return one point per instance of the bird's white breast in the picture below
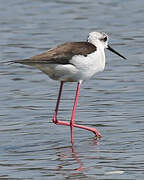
(90, 65)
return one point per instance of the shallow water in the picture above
(31, 146)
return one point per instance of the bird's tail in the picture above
(23, 61)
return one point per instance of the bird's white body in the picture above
(74, 61)
(81, 67)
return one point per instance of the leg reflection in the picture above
(75, 156)
(70, 160)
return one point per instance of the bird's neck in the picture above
(96, 43)
(100, 48)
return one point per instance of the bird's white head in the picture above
(99, 39)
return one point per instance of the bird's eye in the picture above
(105, 39)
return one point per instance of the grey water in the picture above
(31, 146)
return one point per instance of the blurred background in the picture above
(31, 146)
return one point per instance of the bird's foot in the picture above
(97, 134)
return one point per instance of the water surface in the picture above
(31, 146)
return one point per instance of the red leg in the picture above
(72, 124)
(73, 112)
(57, 104)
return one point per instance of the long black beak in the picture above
(112, 50)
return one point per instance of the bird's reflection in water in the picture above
(70, 160)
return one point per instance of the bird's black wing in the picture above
(62, 54)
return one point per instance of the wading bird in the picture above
(73, 62)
